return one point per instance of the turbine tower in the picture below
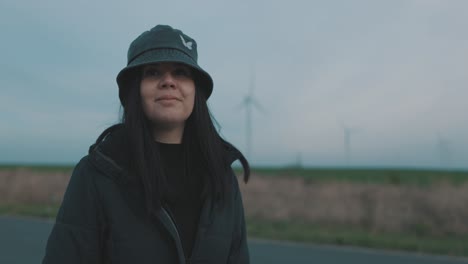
(298, 160)
(249, 102)
(347, 132)
(443, 150)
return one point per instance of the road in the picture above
(23, 241)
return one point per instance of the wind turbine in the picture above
(443, 150)
(299, 160)
(249, 103)
(347, 132)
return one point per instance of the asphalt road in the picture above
(23, 241)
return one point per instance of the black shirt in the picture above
(183, 196)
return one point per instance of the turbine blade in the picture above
(258, 106)
(242, 104)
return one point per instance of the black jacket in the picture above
(103, 219)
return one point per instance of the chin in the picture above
(168, 121)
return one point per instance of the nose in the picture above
(167, 80)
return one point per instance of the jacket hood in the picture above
(110, 152)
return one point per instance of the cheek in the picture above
(191, 100)
(146, 95)
(145, 91)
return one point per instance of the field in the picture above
(413, 210)
(367, 175)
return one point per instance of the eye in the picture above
(183, 71)
(151, 72)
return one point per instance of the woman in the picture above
(157, 188)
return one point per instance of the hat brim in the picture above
(203, 79)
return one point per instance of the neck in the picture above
(169, 135)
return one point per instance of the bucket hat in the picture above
(162, 43)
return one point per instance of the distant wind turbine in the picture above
(299, 160)
(249, 102)
(443, 150)
(347, 132)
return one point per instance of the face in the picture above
(167, 93)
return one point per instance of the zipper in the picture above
(178, 241)
(200, 229)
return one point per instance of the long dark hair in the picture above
(202, 144)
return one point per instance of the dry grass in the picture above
(23, 186)
(435, 210)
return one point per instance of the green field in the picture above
(362, 175)
(341, 235)
(38, 168)
(41, 211)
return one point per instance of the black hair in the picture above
(202, 144)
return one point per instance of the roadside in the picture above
(415, 218)
(29, 235)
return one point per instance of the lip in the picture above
(167, 98)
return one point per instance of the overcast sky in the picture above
(392, 73)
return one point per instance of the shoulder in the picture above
(87, 178)
(81, 196)
(83, 165)
(83, 169)
(83, 175)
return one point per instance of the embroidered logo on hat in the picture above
(188, 45)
